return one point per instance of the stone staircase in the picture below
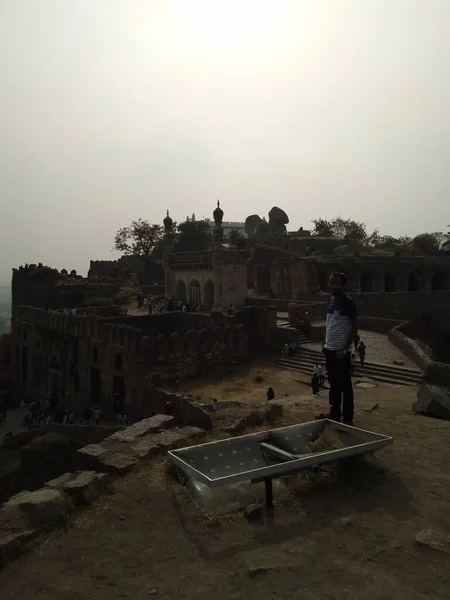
(305, 359)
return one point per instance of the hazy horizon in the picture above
(113, 111)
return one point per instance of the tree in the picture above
(429, 244)
(138, 239)
(387, 242)
(323, 228)
(341, 228)
(192, 235)
(236, 239)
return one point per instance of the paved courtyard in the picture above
(379, 349)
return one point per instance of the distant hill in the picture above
(5, 308)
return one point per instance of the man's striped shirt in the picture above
(341, 313)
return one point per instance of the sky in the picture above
(113, 110)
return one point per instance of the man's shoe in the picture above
(348, 423)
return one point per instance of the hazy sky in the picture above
(111, 110)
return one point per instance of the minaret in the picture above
(218, 231)
(167, 249)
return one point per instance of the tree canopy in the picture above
(138, 239)
(192, 235)
(426, 244)
(236, 239)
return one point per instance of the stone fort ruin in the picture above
(114, 359)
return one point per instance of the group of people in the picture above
(318, 378)
(145, 304)
(289, 349)
(37, 416)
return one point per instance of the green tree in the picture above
(323, 228)
(192, 235)
(138, 239)
(236, 239)
(342, 228)
(387, 242)
(429, 244)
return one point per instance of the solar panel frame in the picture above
(372, 441)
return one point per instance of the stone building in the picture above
(79, 361)
(215, 279)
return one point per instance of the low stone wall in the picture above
(377, 325)
(435, 372)
(185, 411)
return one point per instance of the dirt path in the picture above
(341, 536)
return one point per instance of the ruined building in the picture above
(114, 360)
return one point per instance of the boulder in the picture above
(146, 448)
(58, 483)
(254, 513)
(433, 401)
(86, 486)
(251, 224)
(278, 214)
(29, 510)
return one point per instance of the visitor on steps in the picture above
(340, 331)
(362, 352)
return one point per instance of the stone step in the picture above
(306, 367)
(369, 370)
(319, 357)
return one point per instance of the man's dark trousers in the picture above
(341, 388)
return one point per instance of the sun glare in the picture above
(230, 23)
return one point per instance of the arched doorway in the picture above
(208, 293)
(391, 281)
(180, 290)
(369, 281)
(262, 279)
(195, 296)
(440, 280)
(54, 380)
(416, 281)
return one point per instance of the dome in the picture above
(218, 214)
(167, 222)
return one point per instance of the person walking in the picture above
(340, 331)
(362, 352)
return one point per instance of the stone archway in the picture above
(208, 293)
(416, 281)
(391, 281)
(180, 291)
(440, 280)
(369, 281)
(262, 279)
(195, 295)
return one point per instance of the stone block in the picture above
(58, 483)
(177, 437)
(433, 401)
(146, 448)
(436, 540)
(274, 411)
(12, 544)
(29, 510)
(86, 486)
(90, 457)
(118, 462)
(141, 428)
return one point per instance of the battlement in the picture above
(43, 272)
(85, 327)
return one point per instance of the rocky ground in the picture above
(364, 533)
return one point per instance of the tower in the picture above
(218, 231)
(168, 224)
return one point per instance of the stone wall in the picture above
(80, 361)
(368, 274)
(437, 373)
(45, 287)
(291, 277)
(147, 272)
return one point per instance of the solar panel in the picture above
(273, 453)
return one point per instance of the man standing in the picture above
(340, 332)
